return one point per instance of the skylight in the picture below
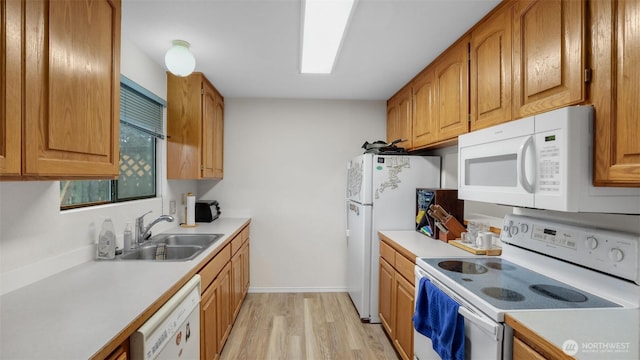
(324, 25)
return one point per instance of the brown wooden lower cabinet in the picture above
(396, 298)
(208, 324)
(528, 345)
(222, 297)
(522, 351)
(225, 315)
(239, 271)
(121, 353)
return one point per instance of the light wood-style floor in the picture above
(304, 326)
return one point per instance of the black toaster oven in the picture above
(207, 210)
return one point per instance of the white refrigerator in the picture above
(381, 191)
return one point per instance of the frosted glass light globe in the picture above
(179, 60)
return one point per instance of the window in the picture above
(141, 125)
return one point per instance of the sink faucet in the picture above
(144, 233)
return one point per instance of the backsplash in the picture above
(38, 240)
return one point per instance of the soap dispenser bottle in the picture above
(107, 241)
(129, 244)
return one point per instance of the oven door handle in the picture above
(466, 310)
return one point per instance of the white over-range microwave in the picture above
(543, 161)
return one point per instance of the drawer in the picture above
(405, 267)
(245, 234)
(213, 267)
(387, 252)
(236, 243)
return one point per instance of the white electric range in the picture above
(544, 265)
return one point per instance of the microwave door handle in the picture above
(522, 174)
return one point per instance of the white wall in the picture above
(285, 166)
(38, 240)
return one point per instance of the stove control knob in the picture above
(591, 242)
(513, 231)
(524, 228)
(616, 255)
(506, 227)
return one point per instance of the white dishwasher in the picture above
(173, 332)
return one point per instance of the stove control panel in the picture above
(611, 252)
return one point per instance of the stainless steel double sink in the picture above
(171, 247)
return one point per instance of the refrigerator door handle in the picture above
(355, 209)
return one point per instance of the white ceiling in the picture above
(251, 48)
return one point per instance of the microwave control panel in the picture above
(549, 155)
(612, 252)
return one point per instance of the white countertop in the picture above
(424, 246)
(596, 334)
(73, 314)
(591, 329)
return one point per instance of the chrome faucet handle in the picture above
(143, 215)
(140, 227)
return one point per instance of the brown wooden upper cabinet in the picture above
(548, 55)
(452, 92)
(440, 98)
(425, 110)
(530, 56)
(399, 117)
(615, 42)
(62, 122)
(195, 128)
(10, 96)
(490, 68)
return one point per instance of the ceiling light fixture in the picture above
(179, 60)
(324, 25)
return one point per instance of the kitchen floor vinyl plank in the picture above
(304, 326)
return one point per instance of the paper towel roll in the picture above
(191, 209)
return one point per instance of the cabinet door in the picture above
(548, 55)
(218, 138)
(615, 92)
(224, 318)
(452, 78)
(236, 283)
(10, 97)
(184, 128)
(403, 339)
(120, 353)
(385, 296)
(245, 268)
(208, 130)
(72, 88)
(522, 351)
(209, 323)
(425, 111)
(399, 118)
(491, 70)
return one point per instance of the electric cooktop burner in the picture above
(500, 266)
(463, 267)
(508, 286)
(558, 293)
(503, 294)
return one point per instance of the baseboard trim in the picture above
(295, 289)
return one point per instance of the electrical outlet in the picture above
(172, 207)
